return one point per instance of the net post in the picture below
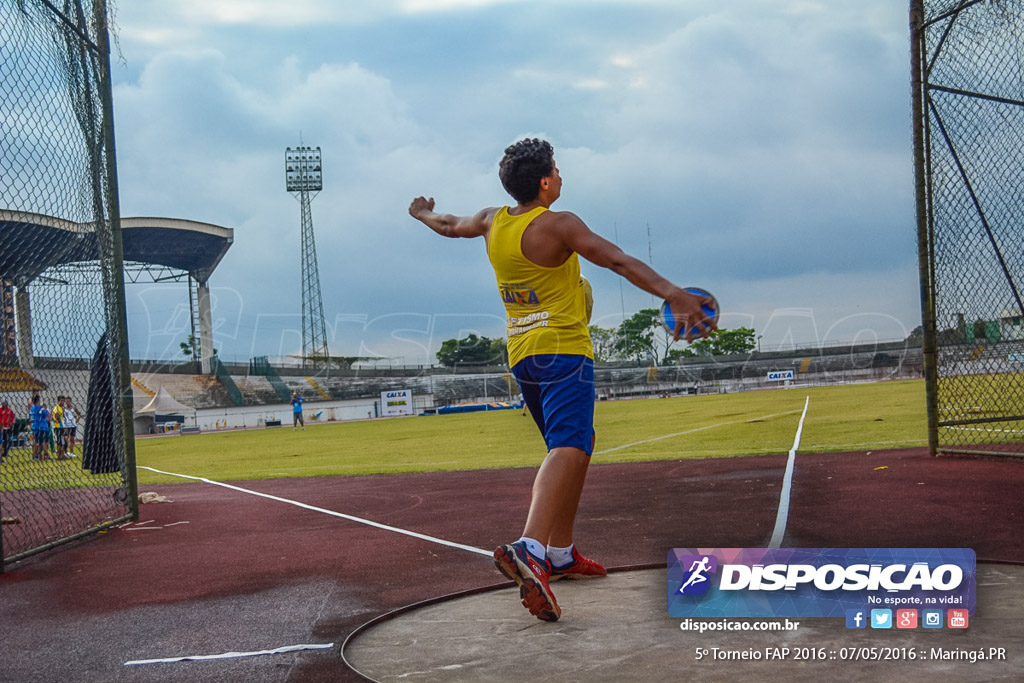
(2, 563)
(925, 270)
(118, 322)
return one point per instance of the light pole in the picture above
(303, 176)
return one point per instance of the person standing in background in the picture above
(40, 419)
(6, 428)
(70, 425)
(297, 411)
(57, 431)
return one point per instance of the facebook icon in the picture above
(856, 618)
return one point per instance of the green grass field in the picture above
(840, 418)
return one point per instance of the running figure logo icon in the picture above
(695, 581)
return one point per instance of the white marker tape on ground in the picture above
(787, 484)
(423, 537)
(232, 655)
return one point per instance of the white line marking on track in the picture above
(985, 430)
(351, 518)
(691, 431)
(232, 655)
(782, 517)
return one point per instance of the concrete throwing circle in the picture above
(617, 629)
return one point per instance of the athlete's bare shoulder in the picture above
(487, 215)
(561, 222)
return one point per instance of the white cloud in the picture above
(417, 6)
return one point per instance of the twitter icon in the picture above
(881, 618)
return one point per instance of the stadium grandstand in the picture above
(154, 249)
(355, 393)
(157, 249)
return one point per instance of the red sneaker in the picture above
(580, 568)
(531, 574)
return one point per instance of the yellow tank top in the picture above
(545, 308)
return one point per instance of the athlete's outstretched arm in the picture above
(422, 209)
(686, 307)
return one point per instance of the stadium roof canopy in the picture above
(31, 243)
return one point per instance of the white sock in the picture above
(560, 557)
(535, 547)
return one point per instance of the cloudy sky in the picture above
(758, 149)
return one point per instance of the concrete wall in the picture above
(233, 417)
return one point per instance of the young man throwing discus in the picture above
(535, 255)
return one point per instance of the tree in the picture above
(635, 336)
(472, 350)
(188, 344)
(721, 342)
(603, 340)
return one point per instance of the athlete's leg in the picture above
(556, 496)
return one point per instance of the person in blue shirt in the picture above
(297, 412)
(40, 418)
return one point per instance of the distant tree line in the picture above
(643, 338)
(640, 337)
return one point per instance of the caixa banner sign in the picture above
(816, 582)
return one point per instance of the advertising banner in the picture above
(396, 403)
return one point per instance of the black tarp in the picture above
(102, 447)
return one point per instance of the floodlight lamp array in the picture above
(303, 169)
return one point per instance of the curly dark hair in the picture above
(522, 167)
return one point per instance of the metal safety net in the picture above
(67, 467)
(970, 154)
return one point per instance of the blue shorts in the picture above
(559, 391)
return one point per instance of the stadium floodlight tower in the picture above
(303, 178)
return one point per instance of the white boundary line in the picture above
(985, 430)
(787, 484)
(690, 431)
(360, 520)
(232, 655)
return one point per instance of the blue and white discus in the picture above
(669, 321)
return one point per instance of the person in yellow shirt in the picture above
(57, 419)
(535, 256)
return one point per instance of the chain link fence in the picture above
(67, 457)
(968, 94)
